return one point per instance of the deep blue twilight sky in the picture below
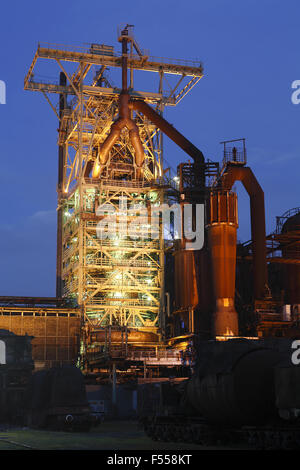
(251, 55)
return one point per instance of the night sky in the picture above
(251, 55)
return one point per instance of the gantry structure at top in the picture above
(109, 149)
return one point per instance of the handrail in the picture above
(283, 218)
(124, 302)
(120, 262)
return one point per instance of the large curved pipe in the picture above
(110, 140)
(123, 121)
(258, 224)
(169, 130)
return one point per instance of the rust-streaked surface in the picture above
(222, 242)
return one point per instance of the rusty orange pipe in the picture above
(258, 224)
(169, 130)
(123, 121)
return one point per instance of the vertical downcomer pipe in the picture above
(258, 224)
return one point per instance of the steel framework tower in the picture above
(110, 152)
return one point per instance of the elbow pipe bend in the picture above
(124, 120)
(258, 224)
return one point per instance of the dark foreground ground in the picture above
(110, 435)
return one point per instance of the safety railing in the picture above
(90, 49)
(120, 262)
(120, 243)
(123, 302)
(280, 221)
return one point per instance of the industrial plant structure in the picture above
(133, 305)
(109, 150)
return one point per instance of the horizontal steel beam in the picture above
(114, 61)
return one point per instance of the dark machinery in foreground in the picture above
(50, 398)
(241, 390)
(56, 399)
(16, 367)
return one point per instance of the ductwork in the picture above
(258, 224)
(171, 132)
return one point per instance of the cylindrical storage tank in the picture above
(222, 227)
(186, 291)
(193, 287)
(237, 388)
(192, 279)
(292, 250)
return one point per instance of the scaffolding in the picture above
(119, 281)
